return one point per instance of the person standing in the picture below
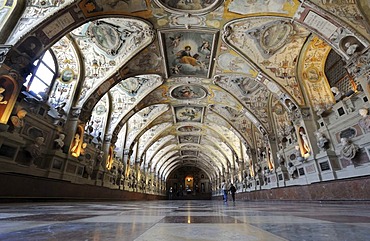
(170, 193)
(232, 191)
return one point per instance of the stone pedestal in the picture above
(311, 171)
(55, 163)
(327, 165)
(253, 185)
(301, 178)
(272, 180)
(10, 144)
(3, 127)
(97, 175)
(282, 176)
(72, 170)
(353, 171)
(107, 179)
(258, 184)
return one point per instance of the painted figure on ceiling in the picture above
(185, 57)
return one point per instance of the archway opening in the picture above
(189, 184)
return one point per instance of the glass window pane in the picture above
(37, 86)
(45, 74)
(48, 60)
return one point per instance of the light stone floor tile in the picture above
(97, 213)
(206, 232)
(122, 219)
(12, 215)
(6, 227)
(196, 214)
(278, 219)
(184, 220)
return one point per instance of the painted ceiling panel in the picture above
(68, 76)
(261, 6)
(151, 149)
(34, 13)
(106, 45)
(274, 47)
(219, 124)
(178, 93)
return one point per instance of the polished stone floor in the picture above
(184, 220)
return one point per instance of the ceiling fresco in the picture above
(188, 53)
(170, 83)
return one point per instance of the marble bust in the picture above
(338, 95)
(59, 142)
(349, 150)
(292, 169)
(364, 122)
(17, 120)
(322, 141)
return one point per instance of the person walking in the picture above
(232, 191)
(224, 190)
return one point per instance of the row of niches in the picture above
(86, 167)
(32, 141)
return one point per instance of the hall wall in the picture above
(30, 188)
(354, 189)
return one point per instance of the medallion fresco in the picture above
(188, 52)
(69, 69)
(233, 63)
(271, 37)
(313, 74)
(105, 36)
(189, 153)
(177, 21)
(281, 66)
(132, 85)
(187, 92)
(188, 6)
(189, 139)
(188, 113)
(189, 129)
(260, 6)
(125, 37)
(93, 7)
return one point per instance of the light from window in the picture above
(43, 75)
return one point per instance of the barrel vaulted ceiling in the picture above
(250, 64)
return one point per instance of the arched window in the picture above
(337, 74)
(43, 75)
